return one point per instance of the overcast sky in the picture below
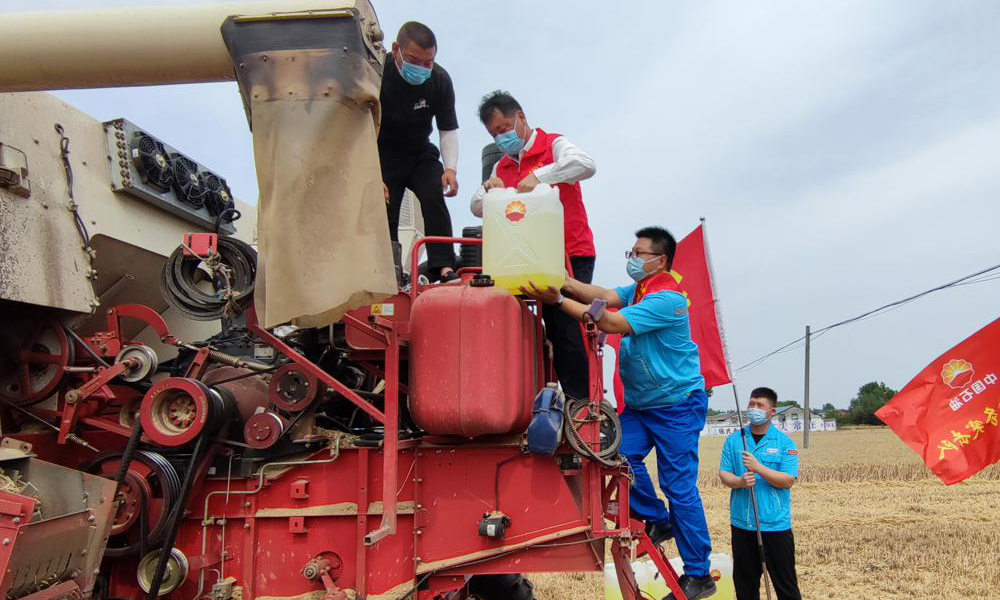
(845, 154)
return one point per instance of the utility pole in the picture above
(805, 398)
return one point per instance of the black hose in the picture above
(228, 215)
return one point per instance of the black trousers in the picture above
(423, 176)
(568, 353)
(779, 550)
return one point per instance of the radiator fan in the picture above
(187, 184)
(218, 197)
(151, 161)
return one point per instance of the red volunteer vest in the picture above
(579, 239)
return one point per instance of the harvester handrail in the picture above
(415, 256)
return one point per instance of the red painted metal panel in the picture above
(459, 486)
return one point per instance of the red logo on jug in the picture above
(515, 211)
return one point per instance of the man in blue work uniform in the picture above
(665, 401)
(770, 467)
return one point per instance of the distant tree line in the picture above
(871, 397)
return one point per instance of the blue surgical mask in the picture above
(635, 267)
(508, 142)
(757, 416)
(414, 74)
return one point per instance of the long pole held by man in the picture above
(753, 499)
(761, 523)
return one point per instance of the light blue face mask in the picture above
(508, 142)
(413, 74)
(635, 267)
(757, 416)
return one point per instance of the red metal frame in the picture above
(109, 343)
(311, 368)
(73, 399)
(389, 419)
(415, 286)
(317, 513)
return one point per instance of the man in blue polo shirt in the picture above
(665, 401)
(770, 467)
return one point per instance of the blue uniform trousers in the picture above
(674, 431)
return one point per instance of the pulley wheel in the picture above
(151, 485)
(292, 388)
(143, 358)
(31, 367)
(177, 410)
(264, 429)
(174, 575)
(579, 415)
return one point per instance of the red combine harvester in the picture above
(383, 457)
(412, 446)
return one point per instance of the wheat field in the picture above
(870, 522)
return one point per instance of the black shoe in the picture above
(695, 588)
(659, 532)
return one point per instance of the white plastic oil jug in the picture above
(653, 585)
(523, 237)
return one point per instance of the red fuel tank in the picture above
(475, 361)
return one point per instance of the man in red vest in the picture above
(532, 156)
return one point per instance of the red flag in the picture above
(949, 413)
(692, 270)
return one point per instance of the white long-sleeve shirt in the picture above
(449, 148)
(570, 164)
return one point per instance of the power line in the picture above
(786, 347)
(980, 280)
(967, 280)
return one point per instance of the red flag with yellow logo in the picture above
(692, 271)
(949, 413)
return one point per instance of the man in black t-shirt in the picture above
(416, 90)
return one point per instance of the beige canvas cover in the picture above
(323, 234)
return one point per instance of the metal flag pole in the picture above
(753, 500)
(739, 412)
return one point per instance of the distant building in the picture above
(721, 424)
(789, 419)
